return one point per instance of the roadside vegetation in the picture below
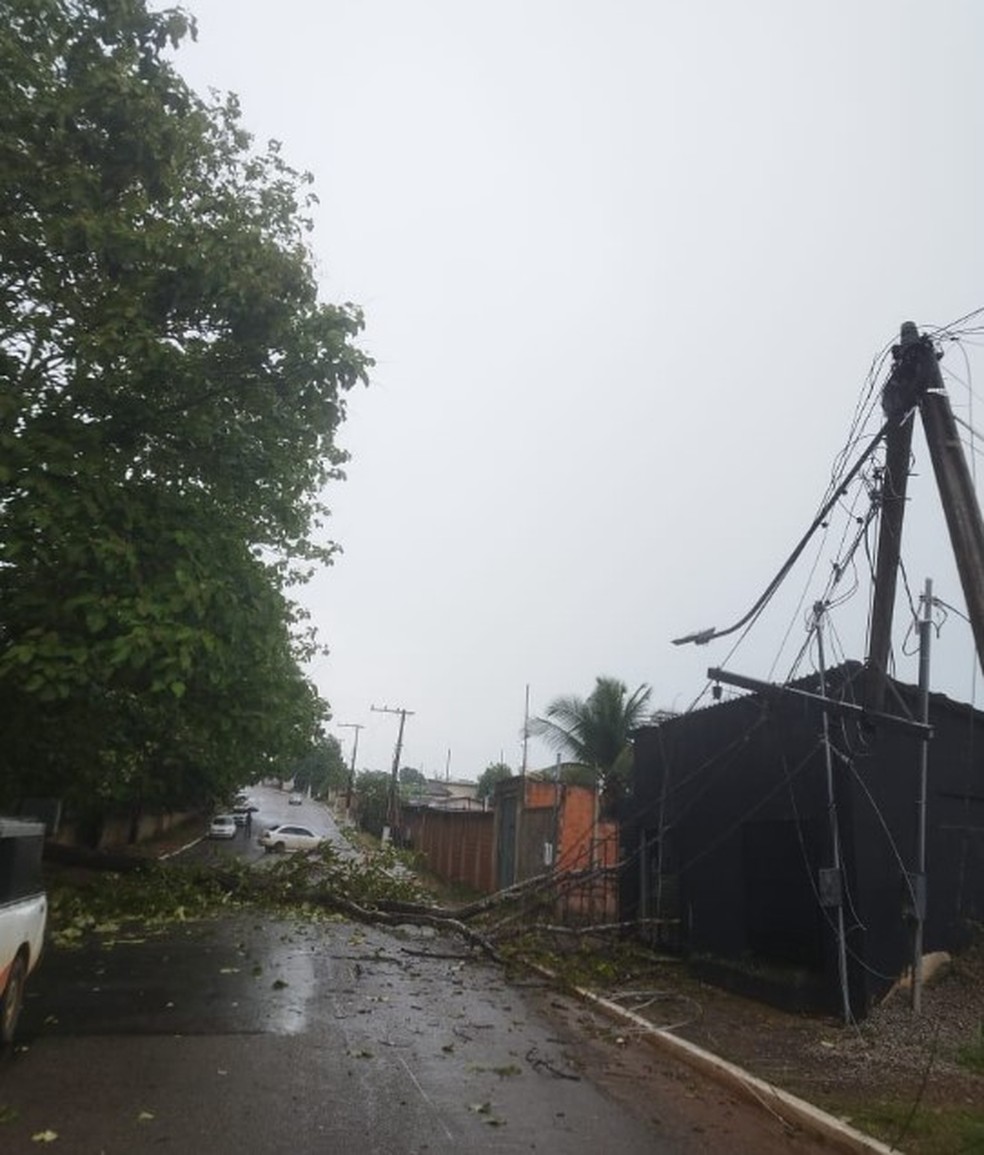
(171, 389)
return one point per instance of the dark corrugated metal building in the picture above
(727, 842)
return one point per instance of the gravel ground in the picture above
(893, 1057)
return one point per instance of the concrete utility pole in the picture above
(916, 380)
(393, 806)
(918, 879)
(898, 402)
(957, 493)
(832, 881)
(356, 726)
(526, 732)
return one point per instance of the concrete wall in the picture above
(115, 831)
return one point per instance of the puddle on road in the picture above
(286, 1012)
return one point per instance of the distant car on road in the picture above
(288, 837)
(295, 800)
(222, 826)
(23, 915)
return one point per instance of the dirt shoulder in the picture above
(915, 1082)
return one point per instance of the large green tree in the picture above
(372, 800)
(494, 773)
(170, 392)
(596, 732)
(322, 768)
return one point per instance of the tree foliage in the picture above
(411, 780)
(494, 773)
(170, 392)
(596, 731)
(322, 768)
(372, 799)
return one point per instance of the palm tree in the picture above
(596, 731)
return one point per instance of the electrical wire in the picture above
(957, 332)
(753, 614)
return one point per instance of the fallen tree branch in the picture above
(581, 931)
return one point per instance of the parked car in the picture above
(23, 916)
(295, 800)
(287, 837)
(222, 826)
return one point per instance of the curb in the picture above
(181, 849)
(787, 1107)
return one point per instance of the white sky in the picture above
(625, 267)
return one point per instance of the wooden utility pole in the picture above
(393, 805)
(356, 726)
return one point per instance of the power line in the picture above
(701, 637)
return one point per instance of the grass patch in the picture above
(971, 1056)
(929, 1130)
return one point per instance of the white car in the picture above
(289, 837)
(23, 915)
(295, 800)
(222, 826)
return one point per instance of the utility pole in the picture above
(356, 726)
(526, 732)
(918, 879)
(916, 380)
(898, 401)
(832, 880)
(393, 807)
(957, 493)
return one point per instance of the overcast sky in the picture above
(625, 267)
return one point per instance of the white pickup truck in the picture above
(23, 915)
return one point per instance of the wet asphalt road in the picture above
(247, 1034)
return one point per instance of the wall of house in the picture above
(456, 844)
(553, 824)
(565, 817)
(728, 798)
(882, 813)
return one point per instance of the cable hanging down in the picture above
(702, 637)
